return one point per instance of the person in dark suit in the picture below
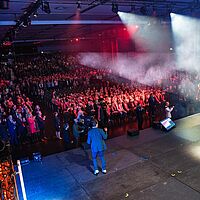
(66, 132)
(57, 125)
(67, 116)
(41, 125)
(139, 115)
(96, 137)
(11, 124)
(152, 107)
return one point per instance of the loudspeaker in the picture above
(37, 157)
(133, 132)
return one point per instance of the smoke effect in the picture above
(149, 68)
(187, 88)
(186, 32)
(148, 32)
(146, 68)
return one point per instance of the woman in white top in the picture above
(168, 110)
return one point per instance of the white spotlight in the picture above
(172, 15)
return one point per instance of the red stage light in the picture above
(7, 43)
(77, 39)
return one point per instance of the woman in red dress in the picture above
(32, 127)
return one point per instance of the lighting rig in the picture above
(25, 19)
(4, 4)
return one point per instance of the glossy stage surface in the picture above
(155, 165)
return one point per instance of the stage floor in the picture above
(139, 168)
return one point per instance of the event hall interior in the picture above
(110, 81)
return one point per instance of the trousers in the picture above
(101, 156)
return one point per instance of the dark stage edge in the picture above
(139, 168)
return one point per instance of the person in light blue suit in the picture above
(96, 137)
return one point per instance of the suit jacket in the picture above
(57, 122)
(40, 122)
(96, 137)
(152, 101)
(139, 113)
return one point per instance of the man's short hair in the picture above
(94, 123)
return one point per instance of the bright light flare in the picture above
(172, 15)
(146, 31)
(186, 31)
(194, 151)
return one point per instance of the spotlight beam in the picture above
(89, 8)
(186, 36)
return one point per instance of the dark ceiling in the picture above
(93, 16)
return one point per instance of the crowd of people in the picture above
(20, 121)
(76, 95)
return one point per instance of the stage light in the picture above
(46, 7)
(132, 8)
(115, 8)
(171, 49)
(26, 22)
(172, 15)
(143, 10)
(185, 37)
(154, 13)
(78, 5)
(4, 4)
(35, 14)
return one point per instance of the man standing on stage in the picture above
(168, 110)
(152, 107)
(139, 115)
(96, 137)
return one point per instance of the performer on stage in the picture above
(139, 115)
(153, 101)
(168, 110)
(96, 137)
(57, 125)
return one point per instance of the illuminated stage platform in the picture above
(153, 166)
